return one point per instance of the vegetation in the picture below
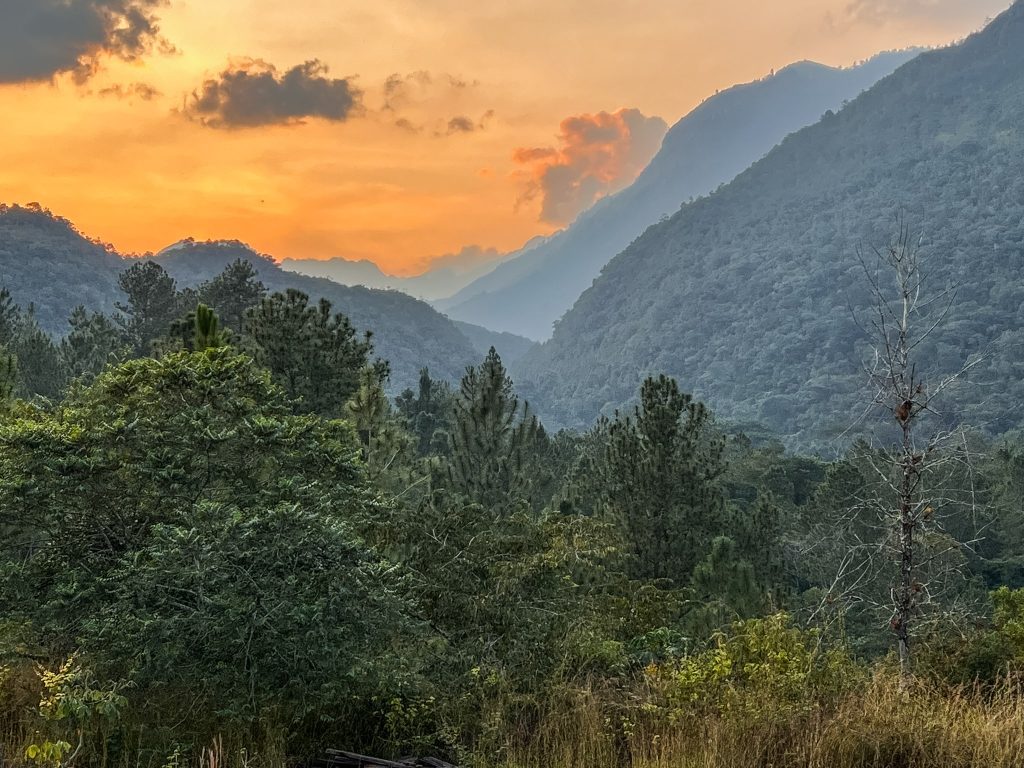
(50, 267)
(224, 544)
(744, 296)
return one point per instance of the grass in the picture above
(927, 725)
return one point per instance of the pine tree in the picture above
(386, 446)
(40, 368)
(153, 304)
(92, 342)
(316, 356)
(9, 314)
(492, 441)
(232, 292)
(663, 467)
(8, 377)
(428, 413)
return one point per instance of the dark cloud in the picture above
(464, 124)
(252, 93)
(598, 155)
(142, 91)
(40, 39)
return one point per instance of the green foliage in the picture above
(41, 371)
(428, 413)
(744, 296)
(663, 467)
(231, 293)
(153, 303)
(314, 355)
(766, 668)
(492, 441)
(230, 559)
(93, 342)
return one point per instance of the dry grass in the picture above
(926, 726)
(879, 727)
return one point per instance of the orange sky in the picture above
(141, 174)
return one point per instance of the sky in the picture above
(398, 131)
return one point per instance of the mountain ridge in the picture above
(743, 295)
(713, 143)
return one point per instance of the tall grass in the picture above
(926, 725)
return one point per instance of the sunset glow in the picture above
(419, 129)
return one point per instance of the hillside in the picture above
(508, 345)
(705, 149)
(407, 332)
(47, 263)
(745, 295)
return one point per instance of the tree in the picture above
(428, 413)
(662, 470)
(40, 368)
(188, 497)
(153, 303)
(314, 355)
(232, 292)
(921, 470)
(386, 445)
(92, 342)
(8, 377)
(492, 441)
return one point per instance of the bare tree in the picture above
(921, 469)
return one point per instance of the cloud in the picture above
(879, 12)
(40, 39)
(464, 124)
(251, 93)
(469, 259)
(142, 91)
(598, 155)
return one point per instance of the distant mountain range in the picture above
(442, 277)
(47, 264)
(746, 296)
(528, 292)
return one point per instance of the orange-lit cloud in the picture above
(598, 155)
(40, 39)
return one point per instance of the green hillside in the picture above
(46, 263)
(746, 295)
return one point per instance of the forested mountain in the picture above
(510, 346)
(45, 262)
(406, 332)
(705, 149)
(746, 295)
(48, 264)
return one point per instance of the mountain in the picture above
(708, 147)
(508, 345)
(46, 263)
(444, 276)
(746, 296)
(408, 332)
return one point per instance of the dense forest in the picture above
(529, 291)
(224, 544)
(758, 503)
(751, 297)
(52, 268)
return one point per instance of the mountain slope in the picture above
(705, 149)
(47, 263)
(408, 333)
(508, 345)
(745, 295)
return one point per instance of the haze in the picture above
(396, 131)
